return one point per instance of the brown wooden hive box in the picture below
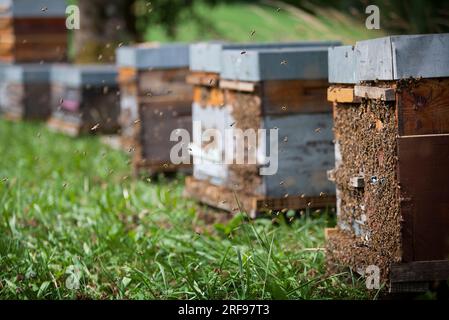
(30, 34)
(155, 101)
(25, 92)
(293, 103)
(85, 99)
(392, 148)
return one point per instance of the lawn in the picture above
(75, 225)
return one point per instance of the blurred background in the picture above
(106, 24)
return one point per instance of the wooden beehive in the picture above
(33, 31)
(155, 101)
(84, 99)
(263, 88)
(25, 92)
(392, 154)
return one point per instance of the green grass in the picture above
(245, 22)
(68, 206)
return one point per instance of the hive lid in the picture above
(342, 65)
(276, 64)
(26, 73)
(154, 55)
(207, 56)
(32, 8)
(400, 57)
(84, 75)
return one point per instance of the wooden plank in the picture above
(294, 96)
(424, 108)
(127, 75)
(225, 199)
(294, 202)
(144, 167)
(212, 97)
(423, 174)
(166, 106)
(420, 271)
(48, 39)
(164, 83)
(35, 52)
(70, 129)
(6, 22)
(238, 85)
(409, 287)
(203, 79)
(375, 93)
(217, 197)
(342, 95)
(36, 25)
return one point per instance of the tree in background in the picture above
(107, 23)
(104, 24)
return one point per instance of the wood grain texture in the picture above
(203, 79)
(295, 96)
(423, 177)
(424, 108)
(127, 75)
(228, 200)
(164, 82)
(340, 94)
(207, 96)
(33, 39)
(239, 85)
(375, 93)
(420, 271)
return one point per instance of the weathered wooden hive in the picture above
(155, 101)
(264, 88)
(392, 138)
(25, 92)
(85, 99)
(33, 31)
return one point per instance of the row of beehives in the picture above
(74, 99)
(390, 119)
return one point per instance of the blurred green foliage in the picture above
(401, 16)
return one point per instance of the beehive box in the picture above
(25, 92)
(85, 99)
(155, 101)
(279, 89)
(391, 168)
(33, 31)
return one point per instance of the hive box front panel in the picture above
(26, 92)
(33, 31)
(85, 99)
(155, 103)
